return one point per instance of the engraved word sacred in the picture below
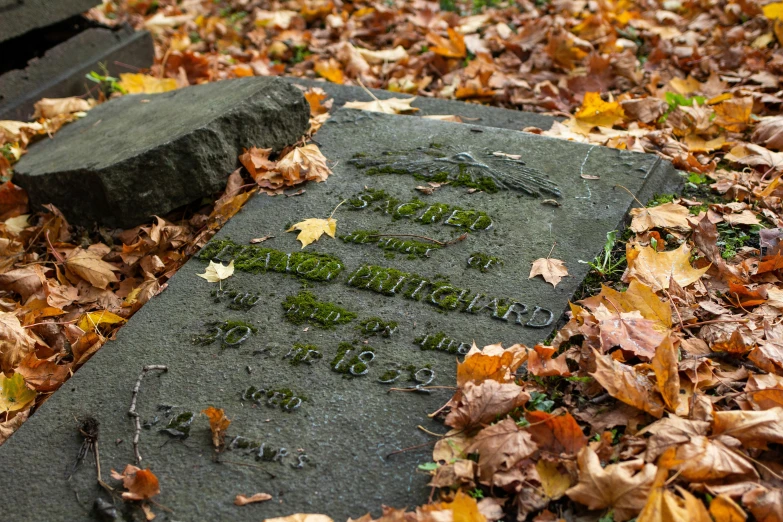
(444, 295)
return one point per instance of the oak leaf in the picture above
(242, 500)
(216, 272)
(15, 342)
(90, 266)
(665, 366)
(304, 163)
(387, 106)
(623, 383)
(480, 404)
(218, 424)
(142, 484)
(668, 215)
(500, 447)
(556, 433)
(656, 269)
(451, 47)
(623, 487)
(753, 428)
(14, 394)
(552, 270)
(595, 111)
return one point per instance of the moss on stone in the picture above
(483, 262)
(414, 249)
(304, 353)
(305, 307)
(377, 326)
(355, 365)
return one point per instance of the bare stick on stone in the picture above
(132, 410)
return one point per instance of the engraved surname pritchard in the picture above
(487, 171)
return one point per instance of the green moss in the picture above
(179, 426)
(483, 262)
(732, 239)
(414, 249)
(284, 398)
(377, 326)
(698, 209)
(230, 333)
(366, 198)
(312, 266)
(660, 199)
(304, 307)
(304, 353)
(352, 360)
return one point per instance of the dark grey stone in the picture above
(472, 113)
(347, 426)
(61, 71)
(20, 16)
(141, 155)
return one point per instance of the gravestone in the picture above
(151, 153)
(20, 16)
(303, 347)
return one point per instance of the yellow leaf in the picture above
(697, 144)
(552, 270)
(451, 47)
(668, 215)
(216, 272)
(464, 508)
(14, 395)
(89, 266)
(734, 115)
(388, 106)
(773, 11)
(656, 269)
(595, 111)
(301, 517)
(330, 70)
(640, 297)
(723, 509)
(553, 482)
(137, 83)
(312, 229)
(90, 321)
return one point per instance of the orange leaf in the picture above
(330, 70)
(541, 364)
(734, 115)
(141, 484)
(218, 423)
(453, 47)
(595, 111)
(556, 433)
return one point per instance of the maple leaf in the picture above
(595, 111)
(638, 297)
(668, 215)
(766, 505)
(257, 163)
(51, 107)
(43, 375)
(552, 270)
(451, 47)
(90, 266)
(137, 83)
(14, 394)
(463, 508)
(769, 133)
(656, 269)
(304, 163)
(8, 427)
(541, 364)
(312, 229)
(15, 343)
(664, 506)
(216, 272)
(554, 483)
(331, 70)
(218, 424)
(665, 366)
(556, 433)
(500, 447)
(242, 500)
(142, 484)
(734, 114)
(702, 459)
(631, 332)
(91, 321)
(481, 366)
(623, 487)
(753, 428)
(387, 106)
(480, 404)
(624, 384)
(315, 97)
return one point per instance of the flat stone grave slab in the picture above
(302, 347)
(19, 16)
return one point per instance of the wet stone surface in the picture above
(302, 347)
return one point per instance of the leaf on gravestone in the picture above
(218, 424)
(500, 447)
(388, 106)
(242, 500)
(14, 394)
(137, 83)
(301, 517)
(595, 111)
(88, 265)
(753, 428)
(552, 270)
(91, 321)
(257, 163)
(312, 229)
(554, 483)
(480, 404)
(631, 332)
(303, 163)
(216, 272)
(623, 383)
(479, 367)
(665, 366)
(723, 509)
(622, 487)
(51, 107)
(668, 215)
(15, 343)
(142, 484)
(656, 269)
(556, 433)
(702, 459)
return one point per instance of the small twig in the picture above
(428, 432)
(551, 250)
(132, 410)
(743, 321)
(335, 208)
(55, 253)
(441, 243)
(682, 325)
(631, 193)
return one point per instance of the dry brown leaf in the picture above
(479, 367)
(480, 404)
(51, 107)
(665, 366)
(702, 459)
(301, 517)
(734, 114)
(552, 270)
(556, 433)
(631, 332)
(90, 266)
(668, 215)
(242, 500)
(656, 269)
(15, 342)
(623, 487)
(623, 383)
(769, 133)
(387, 106)
(723, 509)
(304, 163)
(541, 364)
(257, 163)
(451, 47)
(766, 505)
(141, 484)
(8, 427)
(500, 447)
(753, 428)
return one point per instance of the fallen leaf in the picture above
(242, 500)
(554, 483)
(43, 375)
(479, 367)
(541, 364)
(463, 508)
(765, 505)
(638, 297)
(656, 269)
(665, 366)
(451, 47)
(387, 55)
(753, 428)
(142, 484)
(331, 70)
(304, 163)
(552, 270)
(631, 332)
(8, 427)
(556, 433)
(90, 266)
(480, 404)
(91, 321)
(702, 459)
(216, 272)
(218, 424)
(623, 487)
(623, 383)
(668, 215)
(15, 343)
(734, 114)
(137, 83)
(312, 229)
(51, 107)
(500, 447)
(257, 163)
(595, 111)
(14, 393)
(769, 133)
(260, 239)
(723, 509)
(300, 517)
(387, 106)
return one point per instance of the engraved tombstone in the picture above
(323, 357)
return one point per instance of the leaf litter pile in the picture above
(660, 399)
